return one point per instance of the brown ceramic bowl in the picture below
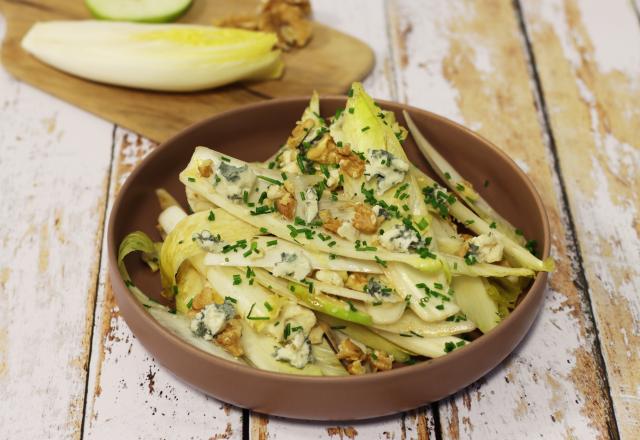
(253, 133)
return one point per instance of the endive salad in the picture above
(336, 256)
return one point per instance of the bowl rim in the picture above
(477, 345)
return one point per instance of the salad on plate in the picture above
(334, 257)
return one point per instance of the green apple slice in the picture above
(147, 11)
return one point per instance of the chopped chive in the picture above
(268, 306)
(262, 210)
(380, 261)
(422, 224)
(256, 318)
(270, 180)
(211, 216)
(272, 242)
(191, 179)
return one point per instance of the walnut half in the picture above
(365, 220)
(229, 338)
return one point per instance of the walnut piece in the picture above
(204, 167)
(327, 152)
(357, 281)
(356, 368)
(229, 338)
(288, 19)
(299, 132)
(365, 220)
(203, 299)
(380, 361)
(286, 205)
(329, 222)
(349, 351)
(352, 165)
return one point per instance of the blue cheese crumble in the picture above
(208, 241)
(400, 238)
(486, 248)
(292, 264)
(296, 350)
(233, 181)
(211, 320)
(309, 205)
(387, 169)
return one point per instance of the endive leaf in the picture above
(176, 324)
(167, 57)
(274, 222)
(180, 246)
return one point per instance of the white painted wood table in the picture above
(555, 83)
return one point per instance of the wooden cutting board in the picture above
(329, 64)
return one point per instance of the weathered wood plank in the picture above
(466, 60)
(588, 59)
(53, 176)
(129, 394)
(366, 20)
(411, 425)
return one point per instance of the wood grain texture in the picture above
(129, 394)
(50, 234)
(466, 60)
(589, 70)
(474, 70)
(411, 425)
(329, 63)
